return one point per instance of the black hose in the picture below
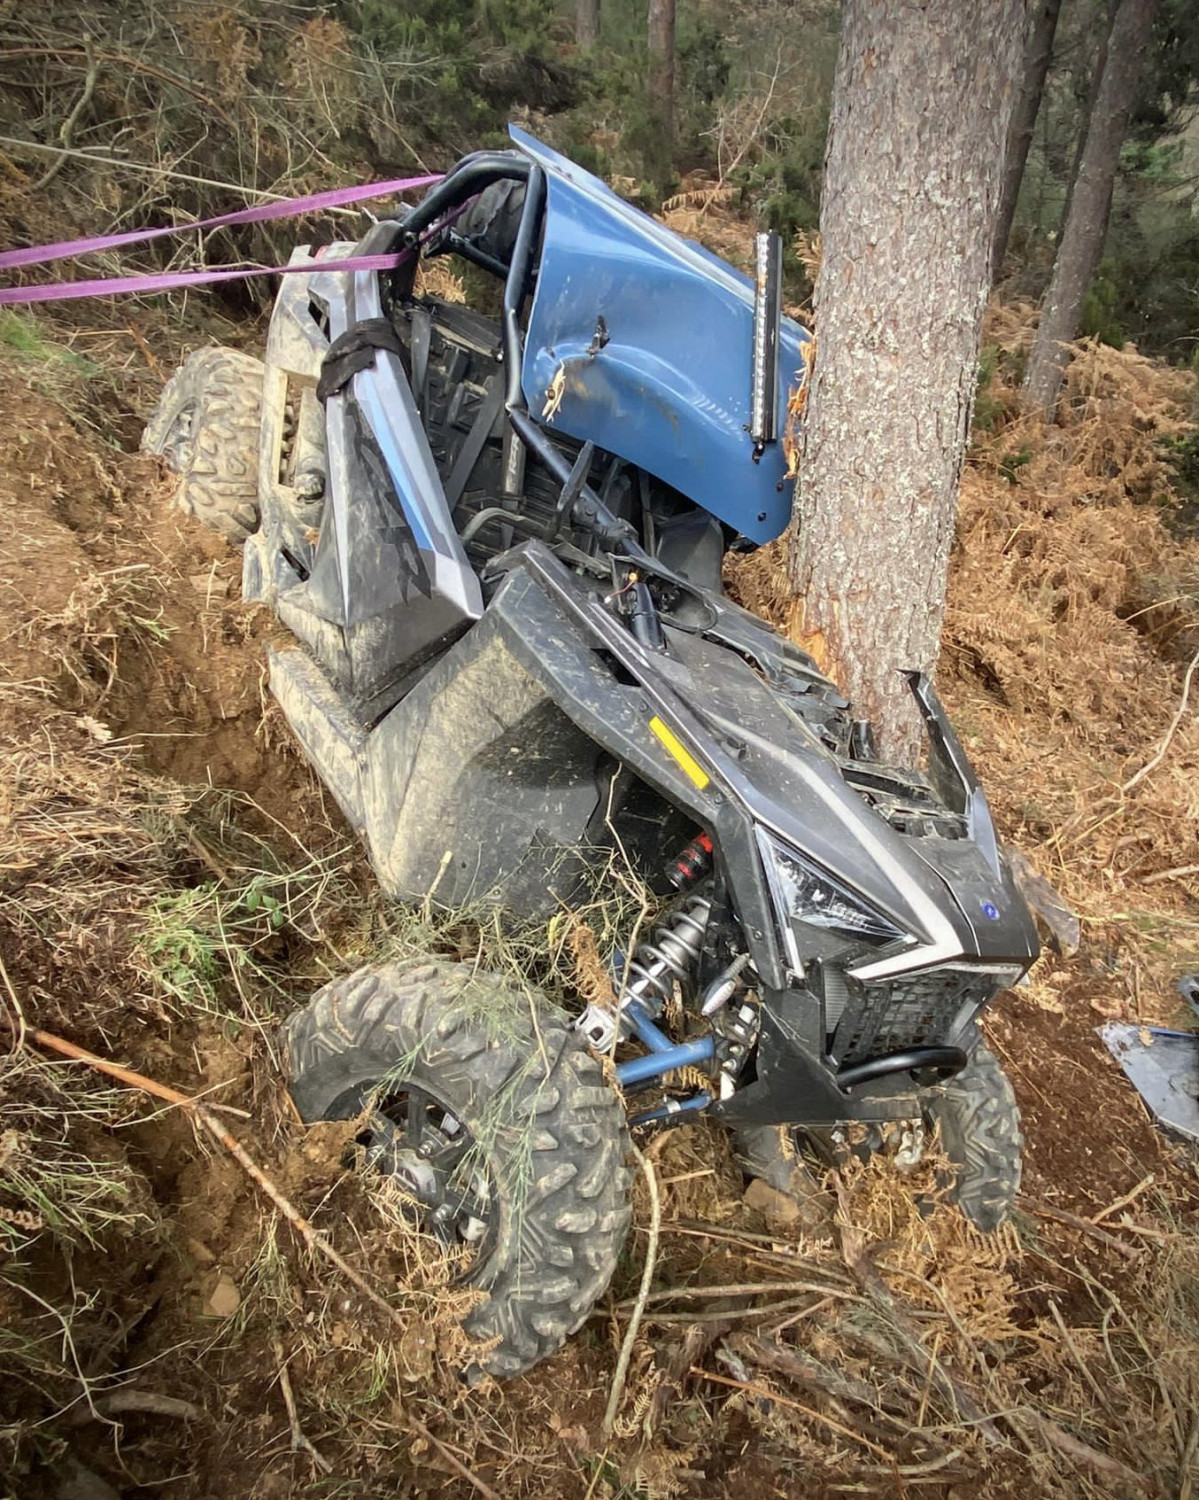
(945, 1060)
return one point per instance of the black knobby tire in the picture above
(555, 1148)
(979, 1121)
(206, 426)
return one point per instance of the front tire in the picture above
(979, 1121)
(543, 1126)
(206, 426)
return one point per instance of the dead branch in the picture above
(1084, 1226)
(1175, 874)
(951, 1387)
(1084, 1455)
(299, 1442)
(647, 1276)
(765, 1394)
(124, 60)
(1160, 754)
(311, 1237)
(18, 1026)
(67, 129)
(771, 1355)
(736, 1289)
(136, 1401)
(742, 1314)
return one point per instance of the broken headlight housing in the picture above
(805, 894)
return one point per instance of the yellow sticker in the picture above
(678, 752)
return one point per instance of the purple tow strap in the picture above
(286, 208)
(165, 281)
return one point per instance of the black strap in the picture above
(355, 351)
(422, 334)
(480, 430)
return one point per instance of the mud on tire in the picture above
(551, 1132)
(980, 1133)
(206, 426)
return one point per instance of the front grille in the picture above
(912, 1010)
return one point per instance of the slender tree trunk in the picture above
(587, 22)
(660, 85)
(1038, 54)
(921, 104)
(1081, 246)
(1086, 107)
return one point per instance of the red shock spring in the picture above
(691, 864)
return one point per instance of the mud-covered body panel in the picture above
(382, 584)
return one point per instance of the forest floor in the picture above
(173, 882)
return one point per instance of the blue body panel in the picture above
(670, 390)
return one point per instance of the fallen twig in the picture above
(311, 1237)
(1160, 755)
(647, 1276)
(817, 1416)
(299, 1442)
(136, 1401)
(1084, 1226)
(1125, 1200)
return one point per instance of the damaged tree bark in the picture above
(921, 105)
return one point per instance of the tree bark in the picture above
(1085, 232)
(921, 104)
(1038, 54)
(660, 86)
(587, 22)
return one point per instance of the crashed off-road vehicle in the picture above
(498, 541)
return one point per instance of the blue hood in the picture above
(670, 389)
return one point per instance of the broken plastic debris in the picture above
(1163, 1066)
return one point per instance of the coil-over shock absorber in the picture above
(671, 956)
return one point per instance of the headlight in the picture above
(806, 893)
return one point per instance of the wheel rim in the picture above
(411, 1137)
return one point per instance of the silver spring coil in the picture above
(670, 957)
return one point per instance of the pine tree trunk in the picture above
(587, 23)
(660, 86)
(1038, 54)
(921, 104)
(1085, 232)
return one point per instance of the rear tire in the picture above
(206, 426)
(546, 1128)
